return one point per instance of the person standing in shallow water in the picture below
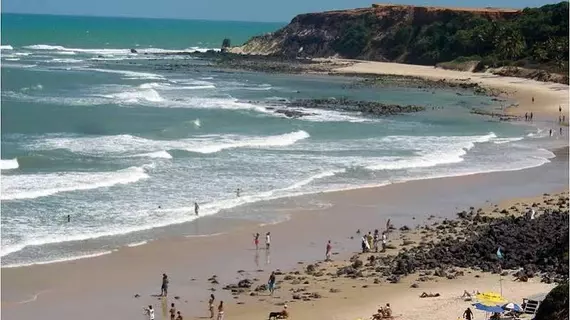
(196, 208)
(164, 286)
(256, 241)
(221, 311)
(267, 240)
(211, 306)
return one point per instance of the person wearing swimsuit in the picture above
(211, 306)
(256, 240)
(221, 311)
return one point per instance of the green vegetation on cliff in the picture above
(535, 36)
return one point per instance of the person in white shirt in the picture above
(384, 241)
(267, 240)
(150, 312)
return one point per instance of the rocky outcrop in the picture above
(316, 34)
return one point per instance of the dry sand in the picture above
(548, 96)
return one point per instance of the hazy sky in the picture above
(245, 10)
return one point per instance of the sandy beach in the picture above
(548, 97)
(118, 285)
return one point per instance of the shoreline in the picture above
(59, 286)
(199, 258)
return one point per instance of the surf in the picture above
(9, 164)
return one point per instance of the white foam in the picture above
(30, 186)
(57, 60)
(197, 123)
(136, 96)
(136, 244)
(506, 140)
(137, 146)
(120, 51)
(6, 47)
(35, 87)
(157, 154)
(85, 256)
(127, 73)
(12, 59)
(167, 86)
(435, 150)
(9, 164)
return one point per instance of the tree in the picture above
(226, 43)
(509, 43)
(352, 40)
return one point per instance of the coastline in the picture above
(548, 96)
(43, 290)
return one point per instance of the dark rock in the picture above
(133, 51)
(415, 285)
(357, 264)
(311, 269)
(245, 283)
(334, 290)
(137, 295)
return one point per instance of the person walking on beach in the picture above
(164, 286)
(468, 314)
(271, 283)
(256, 240)
(561, 131)
(328, 252)
(384, 241)
(370, 240)
(550, 132)
(221, 311)
(526, 116)
(267, 240)
(172, 312)
(149, 312)
(532, 99)
(531, 116)
(196, 208)
(211, 306)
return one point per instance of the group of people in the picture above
(267, 240)
(369, 241)
(383, 313)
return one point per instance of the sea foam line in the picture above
(9, 164)
(79, 257)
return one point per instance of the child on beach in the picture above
(149, 312)
(267, 240)
(211, 306)
(221, 311)
(172, 312)
(179, 316)
(256, 240)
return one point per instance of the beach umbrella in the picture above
(488, 308)
(490, 297)
(512, 307)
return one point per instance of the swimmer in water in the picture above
(238, 191)
(68, 218)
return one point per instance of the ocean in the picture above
(125, 143)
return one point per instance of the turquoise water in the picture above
(126, 143)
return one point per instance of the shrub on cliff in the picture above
(555, 305)
(352, 40)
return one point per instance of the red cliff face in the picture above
(321, 34)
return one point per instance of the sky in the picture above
(241, 10)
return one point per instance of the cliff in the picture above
(421, 35)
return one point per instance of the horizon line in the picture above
(134, 17)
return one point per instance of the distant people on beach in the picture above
(211, 306)
(271, 283)
(560, 130)
(468, 314)
(560, 108)
(364, 244)
(164, 286)
(384, 241)
(179, 317)
(526, 116)
(196, 208)
(267, 240)
(256, 240)
(221, 311)
(328, 252)
(149, 312)
(172, 312)
(550, 132)
(532, 99)
(531, 116)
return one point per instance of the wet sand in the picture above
(106, 285)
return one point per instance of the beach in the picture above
(548, 97)
(119, 283)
